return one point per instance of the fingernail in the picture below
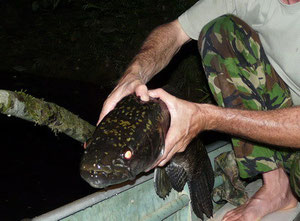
(144, 98)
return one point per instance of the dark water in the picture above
(40, 171)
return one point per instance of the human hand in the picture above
(187, 120)
(129, 84)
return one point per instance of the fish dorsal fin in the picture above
(162, 184)
(177, 176)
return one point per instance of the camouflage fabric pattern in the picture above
(232, 189)
(240, 76)
(295, 174)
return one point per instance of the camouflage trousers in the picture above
(240, 76)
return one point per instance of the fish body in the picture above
(129, 128)
(130, 139)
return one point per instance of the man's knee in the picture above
(220, 30)
(214, 26)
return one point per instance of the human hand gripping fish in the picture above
(130, 139)
(187, 120)
(130, 83)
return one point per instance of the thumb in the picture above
(167, 98)
(159, 93)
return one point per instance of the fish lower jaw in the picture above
(95, 185)
(100, 180)
(99, 184)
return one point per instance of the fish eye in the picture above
(128, 155)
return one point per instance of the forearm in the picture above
(157, 51)
(277, 127)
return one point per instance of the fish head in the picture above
(107, 165)
(126, 142)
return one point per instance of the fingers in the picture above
(162, 94)
(174, 140)
(168, 151)
(179, 134)
(168, 156)
(110, 103)
(142, 92)
(166, 159)
(107, 107)
(171, 149)
(118, 93)
(174, 143)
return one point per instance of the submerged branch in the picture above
(57, 118)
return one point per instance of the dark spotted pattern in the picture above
(131, 126)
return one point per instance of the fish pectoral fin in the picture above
(177, 176)
(201, 197)
(162, 183)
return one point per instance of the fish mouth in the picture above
(99, 178)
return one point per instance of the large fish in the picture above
(130, 139)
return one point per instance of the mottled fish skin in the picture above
(130, 126)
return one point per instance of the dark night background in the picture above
(70, 53)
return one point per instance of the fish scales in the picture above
(130, 139)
